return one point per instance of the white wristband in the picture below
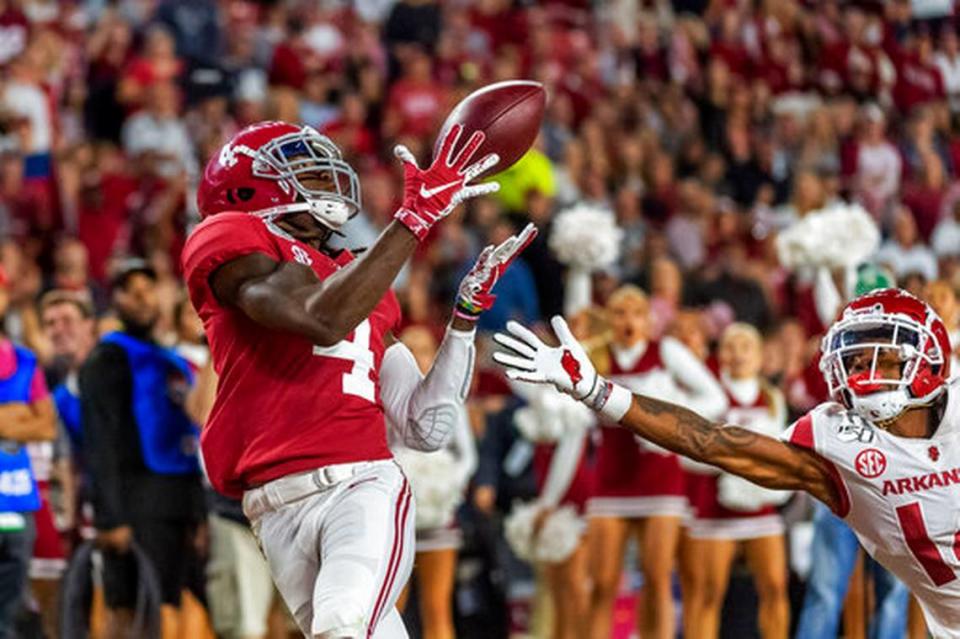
(618, 402)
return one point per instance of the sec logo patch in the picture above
(301, 255)
(870, 463)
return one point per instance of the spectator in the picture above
(924, 195)
(108, 48)
(158, 64)
(948, 63)
(157, 136)
(415, 100)
(941, 296)
(137, 441)
(67, 318)
(195, 25)
(945, 240)
(26, 415)
(666, 294)
(904, 252)
(878, 165)
(414, 22)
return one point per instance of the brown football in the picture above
(509, 113)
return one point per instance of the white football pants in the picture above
(340, 549)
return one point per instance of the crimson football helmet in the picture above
(880, 322)
(272, 168)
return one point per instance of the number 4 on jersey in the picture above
(357, 350)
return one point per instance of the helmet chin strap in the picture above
(331, 212)
(881, 408)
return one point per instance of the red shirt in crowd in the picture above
(918, 82)
(418, 105)
(103, 214)
(925, 203)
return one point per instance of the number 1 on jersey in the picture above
(357, 350)
(923, 548)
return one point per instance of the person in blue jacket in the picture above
(140, 451)
(26, 415)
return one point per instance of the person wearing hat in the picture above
(140, 449)
(26, 415)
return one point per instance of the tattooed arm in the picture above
(763, 460)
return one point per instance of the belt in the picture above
(285, 490)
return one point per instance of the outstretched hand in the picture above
(431, 194)
(474, 293)
(566, 366)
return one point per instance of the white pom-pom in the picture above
(536, 427)
(433, 479)
(737, 493)
(586, 237)
(558, 538)
(550, 414)
(837, 236)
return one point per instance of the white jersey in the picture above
(901, 496)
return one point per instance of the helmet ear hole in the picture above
(245, 193)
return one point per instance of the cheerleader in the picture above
(729, 511)
(563, 480)
(638, 488)
(438, 481)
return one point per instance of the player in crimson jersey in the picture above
(297, 333)
(884, 455)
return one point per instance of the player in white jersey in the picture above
(884, 455)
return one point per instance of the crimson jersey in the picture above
(727, 506)
(632, 479)
(283, 405)
(902, 498)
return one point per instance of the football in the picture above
(509, 113)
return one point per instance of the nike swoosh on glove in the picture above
(474, 294)
(431, 194)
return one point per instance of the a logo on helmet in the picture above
(229, 152)
(870, 463)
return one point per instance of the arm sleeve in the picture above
(103, 382)
(424, 414)
(563, 466)
(704, 394)
(399, 377)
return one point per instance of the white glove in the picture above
(566, 366)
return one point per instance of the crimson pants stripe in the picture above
(403, 525)
(394, 556)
